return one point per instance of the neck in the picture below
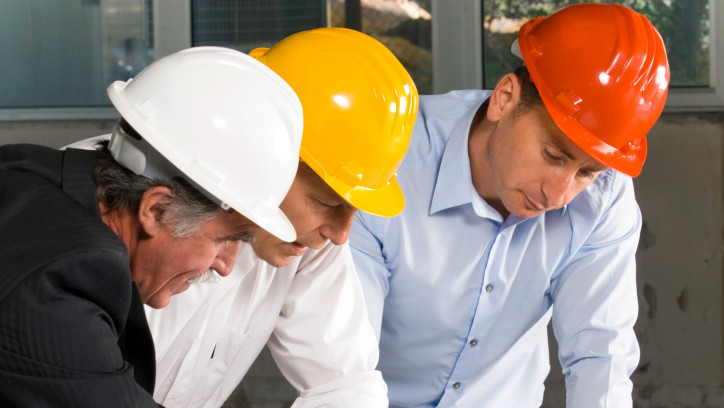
(124, 224)
(480, 130)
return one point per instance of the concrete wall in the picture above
(679, 268)
(680, 326)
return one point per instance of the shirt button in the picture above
(456, 385)
(473, 342)
(489, 288)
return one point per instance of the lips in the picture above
(298, 249)
(533, 205)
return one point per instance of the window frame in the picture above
(171, 31)
(457, 49)
(710, 98)
(465, 49)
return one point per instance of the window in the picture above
(403, 26)
(60, 55)
(685, 25)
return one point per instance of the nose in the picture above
(337, 228)
(226, 257)
(558, 187)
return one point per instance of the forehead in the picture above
(312, 184)
(550, 133)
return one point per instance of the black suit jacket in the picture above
(72, 327)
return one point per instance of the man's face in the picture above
(318, 214)
(534, 166)
(162, 263)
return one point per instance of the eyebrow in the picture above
(562, 148)
(234, 237)
(568, 154)
(329, 195)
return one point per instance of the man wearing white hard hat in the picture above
(90, 236)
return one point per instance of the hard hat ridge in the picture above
(602, 73)
(359, 107)
(240, 152)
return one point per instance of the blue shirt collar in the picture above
(454, 184)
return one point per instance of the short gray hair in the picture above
(119, 189)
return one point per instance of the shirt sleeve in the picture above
(596, 306)
(371, 267)
(323, 342)
(60, 328)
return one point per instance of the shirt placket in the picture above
(490, 301)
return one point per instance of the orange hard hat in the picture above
(359, 107)
(603, 75)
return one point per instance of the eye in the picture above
(587, 174)
(553, 158)
(322, 206)
(234, 238)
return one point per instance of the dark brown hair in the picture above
(529, 96)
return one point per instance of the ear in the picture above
(504, 98)
(151, 207)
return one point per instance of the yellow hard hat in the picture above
(359, 106)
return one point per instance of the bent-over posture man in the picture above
(88, 237)
(520, 204)
(303, 299)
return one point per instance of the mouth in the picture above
(298, 249)
(205, 276)
(532, 205)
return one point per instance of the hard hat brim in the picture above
(385, 202)
(222, 149)
(272, 220)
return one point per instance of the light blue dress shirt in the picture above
(461, 297)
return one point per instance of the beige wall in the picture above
(52, 133)
(679, 268)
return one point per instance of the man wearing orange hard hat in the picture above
(520, 206)
(303, 299)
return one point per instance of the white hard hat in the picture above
(220, 119)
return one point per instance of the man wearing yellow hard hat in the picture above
(303, 299)
(520, 206)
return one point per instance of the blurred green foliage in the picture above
(683, 24)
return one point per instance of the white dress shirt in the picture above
(311, 314)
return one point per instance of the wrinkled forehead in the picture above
(553, 135)
(314, 185)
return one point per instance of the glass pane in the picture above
(128, 26)
(64, 53)
(684, 25)
(404, 26)
(248, 24)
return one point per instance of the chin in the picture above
(520, 209)
(278, 255)
(526, 213)
(279, 261)
(158, 303)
